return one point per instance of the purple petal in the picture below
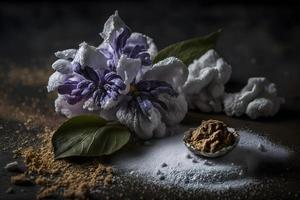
(73, 99)
(122, 38)
(85, 92)
(91, 87)
(76, 92)
(113, 94)
(144, 104)
(118, 82)
(92, 74)
(76, 67)
(163, 89)
(137, 39)
(145, 58)
(110, 76)
(83, 84)
(66, 89)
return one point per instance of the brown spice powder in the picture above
(60, 177)
(20, 179)
(211, 136)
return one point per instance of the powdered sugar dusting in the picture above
(168, 162)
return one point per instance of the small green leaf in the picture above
(88, 135)
(189, 50)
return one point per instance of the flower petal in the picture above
(62, 107)
(176, 109)
(152, 50)
(128, 69)
(144, 127)
(109, 101)
(143, 40)
(55, 80)
(137, 39)
(66, 54)
(160, 131)
(170, 70)
(63, 66)
(89, 56)
(113, 23)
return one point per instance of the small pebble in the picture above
(188, 156)
(241, 173)
(13, 167)
(9, 190)
(162, 178)
(164, 165)
(261, 147)
(208, 163)
(131, 172)
(195, 161)
(158, 172)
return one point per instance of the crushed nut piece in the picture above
(211, 136)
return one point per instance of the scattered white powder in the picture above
(168, 162)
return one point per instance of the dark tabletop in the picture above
(257, 40)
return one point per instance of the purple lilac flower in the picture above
(86, 83)
(122, 44)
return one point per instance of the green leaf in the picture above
(88, 135)
(189, 50)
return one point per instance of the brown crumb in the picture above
(20, 179)
(61, 178)
(41, 180)
(211, 136)
(9, 190)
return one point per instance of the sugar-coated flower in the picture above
(83, 80)
(154, 101)
(119, 80)
(204, 87)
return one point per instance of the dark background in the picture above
(258, 39)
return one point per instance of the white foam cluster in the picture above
(257, 99)
(204, 88)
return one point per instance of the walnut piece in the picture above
(211, 136)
